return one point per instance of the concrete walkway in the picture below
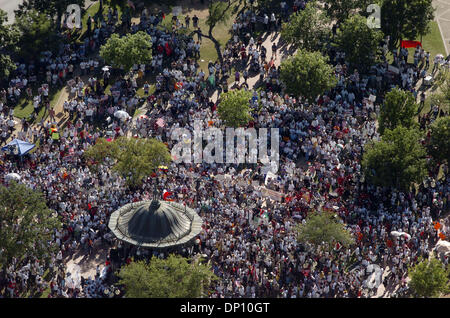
(83, 264)
(270, 38)
(442, 17)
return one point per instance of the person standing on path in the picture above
(262, 71)
(273, 22)
(195, 21)
(274, 50)
(422, 102)
(259, 43)
(199, 35)
(51, 113)
(427, 60)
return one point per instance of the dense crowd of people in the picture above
(249, 237)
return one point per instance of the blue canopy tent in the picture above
(18, 147)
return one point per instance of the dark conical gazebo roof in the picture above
(155, 224)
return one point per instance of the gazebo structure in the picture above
(155, 224)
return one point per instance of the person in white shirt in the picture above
(83, 67)
(89, 114)
(273, 21)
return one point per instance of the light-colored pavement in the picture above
(9, 6)
(83, 264)
(252, 81)
(442, 16)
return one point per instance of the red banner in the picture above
(413, 44)
(166, 195)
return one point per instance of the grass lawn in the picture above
(25, 106)
(45, 293)
(92, 11)
(207, 50)
(138, 112)
(140, 91)
(432, 42)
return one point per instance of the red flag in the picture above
(360, 236)
(413, 44)
(168, 49)
(166, 195)
(389, 243)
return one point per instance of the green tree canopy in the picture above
(397, 160)
(234, 108)
(399, 108)
(266, 5)
(441, 95)
(219, 12)
(445, 85)
(36, 34)
(306, 28)
(439, 146)
(9, 36)
(323, 227)
(406, 19)
(174, 277)
(438, 99)
(26, 224)
(307, 74)
(358, 41)
(101, 152)
(340, 10)
(124, 52)
(132, 158)
(7, 66)
(54, 8)
(429, 278)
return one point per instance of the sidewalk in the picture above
(442, 16)
(282, 54)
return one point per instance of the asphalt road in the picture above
(9, 6)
